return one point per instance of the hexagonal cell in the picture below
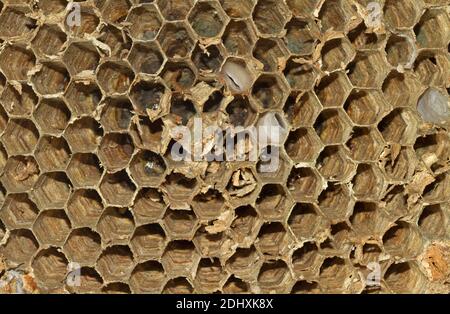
(238, 37)
(116, 225)
(52, 227)
(335, 202)
(270, 16)
(116, 288)
(242, 186)
(88, 18)
(20, 137)
(83, 246)
(115, 151)
(16, 61)
(333, 273)
(305, 287)
(90, 282)
(20, 246)
(49, 40)
(432, 68)
(368, 182)
(207, 19)
(304, 221)
(438, 191)
(52, 79)
(178, 189)
(148, 242)
(14, 22)
(180, 258)
(273, 202)
(364, 39)
(407, 84)
(180, 224)
(210, 276)
(50, 268)
(146, 58)
(145, 22)
(179, 76)
(402, 14)
(336, 54)
(432, 221)
(241, 112)
(274, 277)
(333, 89)
(51, 6)
(365, 106)
(83, 135)
(116, 263)
(301, 37)
(245, 226)
(238, 9)
(302, 110)
(399, 126)
(117, 189)
(237, 76)
(334, 163)
(333, 126)
(52, 115)
(212, 245)
(273, 165)
(402, 240)
(303, 145)
(173, 10)
(84, 170)
(208, 205)
(269, 51)
(273, 240)
(116, 39)
(405, 278)
(176, 40)
(83, 97)
(368, 220)
(148, 205)
(244, 263)
(304, 184)
(117, 114)
(19, 103)
(147, 168)
(52, 153)
(400, 51)
(148, 277)
(270, 91)
(208, 59)
(18, 211)
(306, 260)
(301, 77)
(236, 286)
(52, 190)
(368, 69)
(115, 11)
(435, 143)
(20, 174)
(182, 110)
(179, 285)
(365, 144)
(399, 166)
(336, 15)
(115, 77)
(81, 56)
(149, 96)
(84, 208)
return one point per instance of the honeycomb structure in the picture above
(87, 176)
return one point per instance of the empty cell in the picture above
(180, 258)
(83, 97)
(20, 137)
(148, 242)
(400, 51)
(301, 77)
(147, 134)
(305, 287)
(302, 110)
(50, 268)
(146, 58)
(273, 165)
(179, 189)
(83, 135)
(365, 144)
(115, 263)
(208, 205)
(84, 208)
(81, 56)
(244, 262)
(432, 221)
(334, 163)
(438, 191)
(274, 277)
(20, 174)
(90, 282)
(333, 126)
(207, 60)
(116, 225)
(51, 79)
(402, 240)
(52, 190)
(365, 106)
(211, 245)
(304, 221)
(401, 90)
(306, 260)
(336, 54)
(333, 272)
(301, 37)
(52, 115)
(335, 202)
(116, 114)
(269, 51)
(207, 18)
(83, 246)
(333, 89)
(88, 18)
(303, 145)
(238, 37)
(84, 170)
(405, 278)
(173, 10)
(399, 166)
(149, 97)
(117, 189)
(270, 16)
(402, 14)
(241, 112)
(304, 184)
(148, 206)
(435, 143)
(273, 202)
(115, 77)
(147, 168)
(238, 9)
(52, 227)
(176, 40)
(52, 6)
(179, 285)
(246, 224)
(273, 240)
(20, 246)
(14, 22)
(115, 11)
(16, 61)
(399, 127)
(269, 91)
(368, 182)
(179, 76)
(368, 220)
(368, 70)
(432, 68)
(19, 103)
(336, 15)
(18, 211)
(115, 151)
(210, 276)
(182, 110)
(148, 277)
(52, 153)
(180, 224)
(145, 22)
(49, 40)
(116, 40)
(116, 288)
(364, 40)
(236, 286)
